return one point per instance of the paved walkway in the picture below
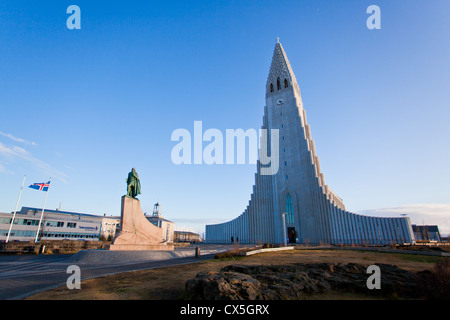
(24, 275)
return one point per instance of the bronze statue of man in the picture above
(133, 184)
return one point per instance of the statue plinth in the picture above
(137, 232)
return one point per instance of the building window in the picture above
(55, 224)
(286, 83)
(271, 87)
(278, 84)
(289, 209)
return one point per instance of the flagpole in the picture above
(42, 213)
(15, 210)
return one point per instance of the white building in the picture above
(167, 226)
(57, 225)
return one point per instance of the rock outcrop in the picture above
(284, 282)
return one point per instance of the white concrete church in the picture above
(295, 203)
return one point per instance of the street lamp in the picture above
(283, 215)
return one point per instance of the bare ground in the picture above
(168, 283)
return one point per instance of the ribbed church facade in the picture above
(295, 203)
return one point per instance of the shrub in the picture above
(228, 255)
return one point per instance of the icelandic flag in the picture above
(40, 186)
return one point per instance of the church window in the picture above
(289, 209)
(278, 84)
(286, 83)
(271, 87)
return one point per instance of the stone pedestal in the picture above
(137, 232)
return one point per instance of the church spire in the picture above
(280, 74)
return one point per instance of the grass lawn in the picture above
(168, 283)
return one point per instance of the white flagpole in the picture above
(42, 213)
(15, 210)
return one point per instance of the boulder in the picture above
(285, 282)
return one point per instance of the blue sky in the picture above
(85, 106)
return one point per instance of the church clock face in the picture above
(280, 102)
